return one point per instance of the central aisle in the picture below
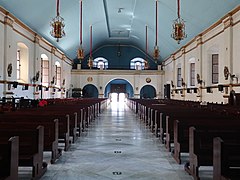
(116, 146)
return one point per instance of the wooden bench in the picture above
(30, 148)
(226, 159)
(181, 130)
(201, 146)
(9, 158)
(30, 122)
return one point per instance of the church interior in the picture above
(119, 89)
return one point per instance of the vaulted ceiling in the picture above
(119, 21)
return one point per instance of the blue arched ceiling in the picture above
(119, 21)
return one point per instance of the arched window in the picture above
(45, 69)
(58, 74)
(137, 63)
(22, 62)
(100, 63)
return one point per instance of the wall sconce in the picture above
(53, 80)
(183, 83)
(36, 77)
(228, 74)
(63, 83)
(199, 81)
(172, 84)
(9, 70)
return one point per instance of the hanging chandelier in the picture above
(146, 65)
(90, 60)
(57, 25)
(178, 26)
(80, 52)
(156, 52)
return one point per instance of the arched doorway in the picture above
(148, 92)
(119, 88)
(90, 91)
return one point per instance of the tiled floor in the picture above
(116, 146)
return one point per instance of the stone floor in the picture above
(117, 145)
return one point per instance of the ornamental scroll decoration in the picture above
(9, 70)
(199, 81)
(226, 72)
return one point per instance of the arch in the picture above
(57, 64)
(148, 91)
(120, 85)
(90, 91)
(100, 63)
(22, 62)
(137, 63)
(44, 57)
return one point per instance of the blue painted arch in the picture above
(147, 92)
(129, 88)
(90, 91)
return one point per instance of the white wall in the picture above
(221, 38)
(12, 33)
(137, 79)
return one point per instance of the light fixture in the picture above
(57, 25)
(156, 52)
(90, 60)
(146, 65)
(178, 26)
(80, 52)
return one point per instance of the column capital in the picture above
(53, 50)
(37, 39)
(199, 40)
(228, 21)
(8, 21)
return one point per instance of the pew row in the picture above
(226, 159)
(9, 151)
(30, 148)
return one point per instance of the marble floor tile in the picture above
(116, 146)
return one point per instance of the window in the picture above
(45, 72)
(100, 63)
(58, 76)
(179, 77)
(192, 74)
(137, 63)
(22, 63)
(18, 64)
(214, 68)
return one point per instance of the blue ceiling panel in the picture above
(119, 21)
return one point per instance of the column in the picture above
(9, 57)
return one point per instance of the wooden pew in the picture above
(181, 131)
(201, 146)
(30, 148)
(9, 158)
(41, 116)
(29, 122)
(226, 159)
